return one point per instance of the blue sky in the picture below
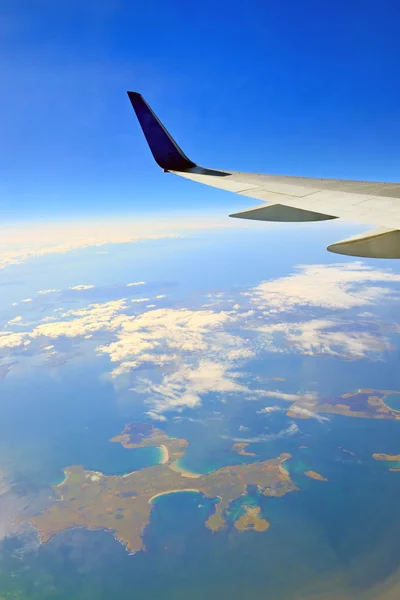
(304, 88)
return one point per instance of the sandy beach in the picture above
(171, 492)
(175, 466)
(164, 455)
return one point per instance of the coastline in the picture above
(172, 492)
(66, 476)
(164, 455)
(175, 466)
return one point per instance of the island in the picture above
(142, 435)
(364, 403)
(387, 457)
(240, 448)
(314, 475)
(251, 520)
(122, 505)
(347, 451)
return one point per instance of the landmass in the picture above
(240, 448)
(365, 403)
(142, 435)
(314, 475)
(387, 457)
(123, 504)
(347, 451)
(251, 520)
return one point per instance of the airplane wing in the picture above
(290, 199)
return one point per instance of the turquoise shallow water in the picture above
(393, 400)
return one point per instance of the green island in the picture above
(122, 504)
(364, 403)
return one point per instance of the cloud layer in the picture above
(176, 356)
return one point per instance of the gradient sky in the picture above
(302, 88)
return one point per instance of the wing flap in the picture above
(376, 243)
(280, 212)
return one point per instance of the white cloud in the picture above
(15, 320)
(290, 431)
(22, 243)
(52, 291)
(337, 286)
(12, 340)
(160, 296)
(82, 287)
(324, 337)
(181, 338)
(307, 413)
(27, 300)
(84, 321)
(269, 409)
(155, 416)
(196, 352)
(135, 283)
(185, 386)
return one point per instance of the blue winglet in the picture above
(165, 150)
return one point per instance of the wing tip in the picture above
(165, 150)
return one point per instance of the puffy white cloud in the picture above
(81, 287)
(83, 321)
(155, 416)
(336, 286)
(12, 340)
(323, 336)
(135, 283)
(27, 300)
(197, 352)
(185, 386)
(180, 338)
(269, 409)
(15, 320)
